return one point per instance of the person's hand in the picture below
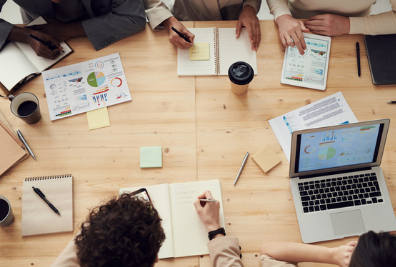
(342, 254)
(291, 32)
(208, 212)
(174, 38)
(328, 24)
(59, 30)
(21, 35)
(249, 20)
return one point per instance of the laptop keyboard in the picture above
(340, 192)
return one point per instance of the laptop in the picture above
(337, 184)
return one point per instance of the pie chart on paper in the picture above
(96, 79)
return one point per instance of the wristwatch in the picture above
(212, 234)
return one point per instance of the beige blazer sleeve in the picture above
(383, 23)
(224, 252)
(68, 257)
(267, 261)
(278, 7)
(156, 12)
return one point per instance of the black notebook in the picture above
(381, 55)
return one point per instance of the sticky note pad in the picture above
(151, 157)
(98, 118)
(266, 158)
(199, 51)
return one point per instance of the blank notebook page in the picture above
(232, 50)
(189, 233)
(205, 67)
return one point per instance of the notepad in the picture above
(20, 62)
(11, 148)
(266, 158)
(37, 217)
(224, 50)
(199, 51)
(151, 157)
(185, 234)
(98, 118)
(381, 55)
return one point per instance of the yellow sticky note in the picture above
(199, 51)
(98, 118)
(266, 158)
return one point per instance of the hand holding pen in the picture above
(179, 36)
(208, 210)
(44, 45)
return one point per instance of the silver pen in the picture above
(25, 143)
(207, 200)
(240, 169)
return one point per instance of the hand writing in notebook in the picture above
(208, 211)
(249, 20)
(174, 38)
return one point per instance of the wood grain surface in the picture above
(204, 130)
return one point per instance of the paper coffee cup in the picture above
(240, 74)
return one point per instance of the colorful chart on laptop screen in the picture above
(342, 147)
(96, 79)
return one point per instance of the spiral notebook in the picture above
(224, 50)
(37, 217)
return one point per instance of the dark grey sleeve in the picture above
(126, 18)
(5, 27)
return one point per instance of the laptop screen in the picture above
(338, 147)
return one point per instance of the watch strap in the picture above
(212, 234)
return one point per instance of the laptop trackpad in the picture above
(347, 223)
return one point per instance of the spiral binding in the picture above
(216, 49)
(39, 178)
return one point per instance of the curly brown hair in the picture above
(123, 232)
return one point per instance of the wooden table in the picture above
(204, 131)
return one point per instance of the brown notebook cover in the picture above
(11, 148)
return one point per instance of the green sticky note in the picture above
(151, 157)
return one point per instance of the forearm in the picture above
(296, 252)
(74, 30)
(224, 251)
(278, 7)
(256, 4)
(18, 34)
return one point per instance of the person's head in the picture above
(123, 232)
(374, 250)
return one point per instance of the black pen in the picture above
(38, 192)
(47, 44)
(181, 35)
(358, 57)
(391, 102)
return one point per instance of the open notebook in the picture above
(224, 50)
(185, 234)
(20, 63)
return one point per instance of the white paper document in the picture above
(329, 111)
(85, 86)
